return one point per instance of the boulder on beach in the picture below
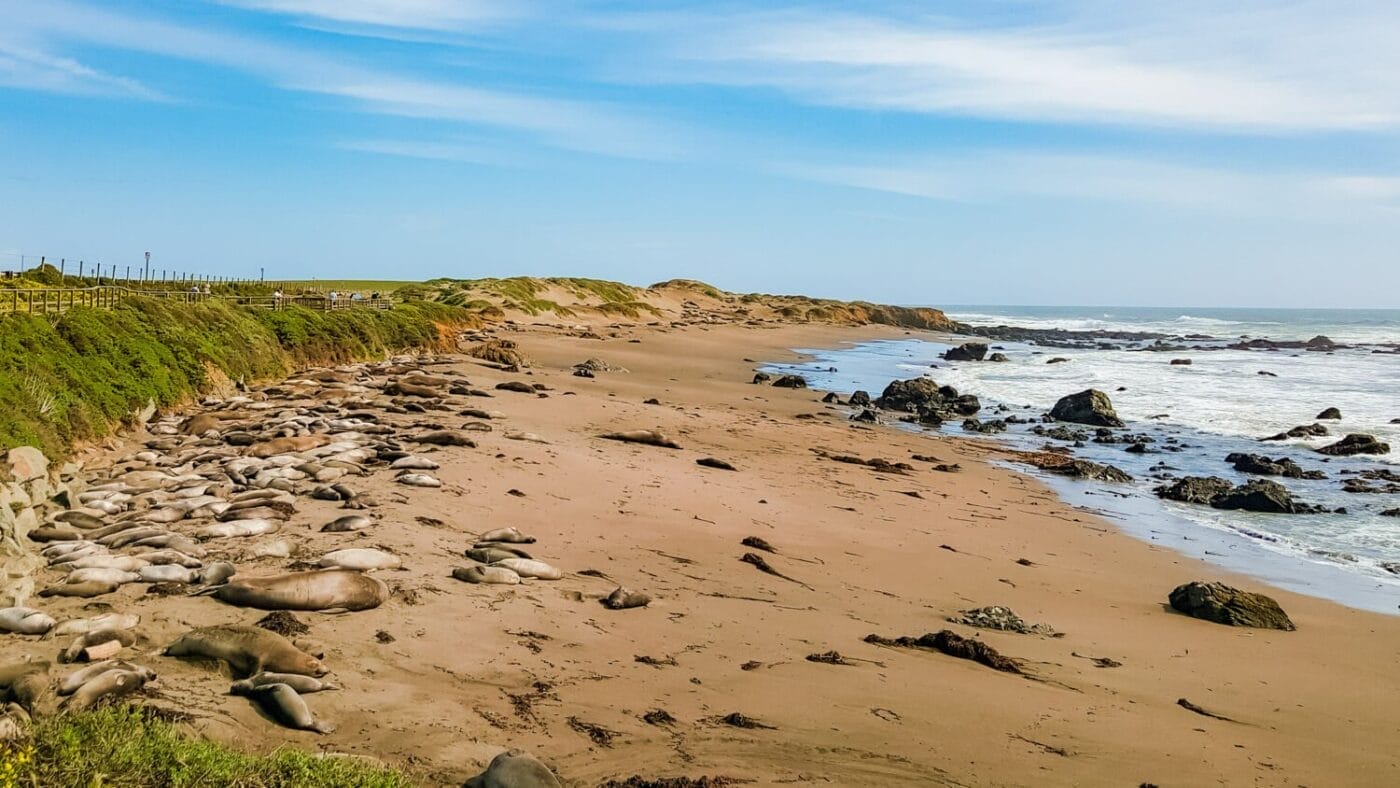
(859, 399)
(968, 351)
(1330, 414)
(1090, 406)
(761, 377)
(1355, 443)
(790, 382)
(1194, 489)
(910, 395)
(1226, 605)
(997, 357)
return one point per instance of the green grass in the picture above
(73, 377)
(127, 747)
(384, 286)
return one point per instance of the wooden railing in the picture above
(54, 300)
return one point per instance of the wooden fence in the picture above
(42, 301)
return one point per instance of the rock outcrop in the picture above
(1225, 605)
(1256, 495)
(968, 351)
(1090, 406)
(932, 402)
(1255, 463)
(1355, 443)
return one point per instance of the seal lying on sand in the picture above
(302, 684)
(510, 535)
(647, 437)
(248, 650)
(331, 589)
(109, 685)
(25, 621)
(529, 567)
(362, 559)
(514, 769)
(489, 575)
(283, 704)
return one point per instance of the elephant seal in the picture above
(99, 574)
(514, 769)
(514, 550)
(331, 589)
(217, 572)
(489, 575)
(25, 621)
(528, 567)
(490, 555)
(85, 590)
(417, 480)
(350, 522)
(647, 437)
(75, 680)
(82, 626)
(252, 527)
(106, 686)
(168, 573)
(26, 690)
(247, 649)
(510, 535)
(413, 462)
(302, 684)
(278, 446)
(284, 705)
(362, 559)
(79, 519)
(623, 599)
(81, 643)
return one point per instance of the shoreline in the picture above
(869, 558)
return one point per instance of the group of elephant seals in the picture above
(248, 650)
(327, 590)
(514, 769)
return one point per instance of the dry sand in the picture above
(474, 669)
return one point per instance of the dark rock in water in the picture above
(968, 351)
(1254, 463)
(911, 395)
(859, 399)
(790, 382)
(1225, 605)
(984, 427)
(1261, 495)
(1392, 567)
(997, 357)
(1075, 468)
(831, 398)
(1181, 362)
(965, 404)
(1194, 489)
(1331, 414)
(1355, 443)
(1301, 431)
(1137, 448)
(1267, 374)
(1391, 512)
(1060, 432)
(866, 416)
(1058, 360)
(1395, 421)
(1090, 406)
(761, 377)
(1361, 486)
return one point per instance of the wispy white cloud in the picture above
(1009, 177)
(441, 15)
(1251, 67)
(32, 69)
(434, 151)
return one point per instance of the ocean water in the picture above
(1217, 405)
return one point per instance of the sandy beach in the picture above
(446, 674)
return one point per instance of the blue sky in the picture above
(1003, 151)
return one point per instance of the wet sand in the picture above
(544, 667)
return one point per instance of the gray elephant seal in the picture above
(217, 573)
(331, 589)
(84, 590)
(518, 552)
(283, 704)
(490, 555)
(514, 769)
(248, 650)
(302, 684)
(624, 599)
(106, 686)
(75, 680)
(488, 575)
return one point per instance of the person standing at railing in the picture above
(332, 296)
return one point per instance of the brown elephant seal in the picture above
(278, 446)
(85, 590)
(330, 589)
(490, 555)
(647, 437)
(486, 575)
(76, 650)
(510, 535)
(514, 769)
(105, 687)
(15, 671)
(515, 550)
(284, 705)
(26, 690)
(624, 599)
(302, 684)
(217, 573)
(248, 650)
(528, 567)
